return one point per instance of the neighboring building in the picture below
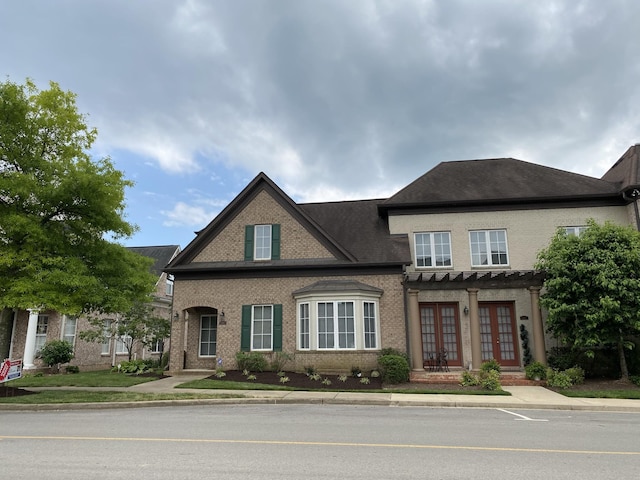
(323, 281)
(50, 325)
(330, 281)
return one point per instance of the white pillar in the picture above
(30, 343)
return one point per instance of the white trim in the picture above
(262, 247)
(487, 245)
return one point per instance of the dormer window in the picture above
(262, 242)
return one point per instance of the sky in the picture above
(332, 99)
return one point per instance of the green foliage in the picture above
(58, 208)
(135, 367)
(490, 365)
(251, 361)
(592, 287)
(469, 379)
(72, 369)
(356, 372)
(490, 380)
(220, 373)
(393, 351)
(526, 350)
(558, 379)
(365, 381)
(137, 326)
(394, 368)
(309, 370)
(635, 379)
(56, 352)
(535, 370)
(576, 375)
(279, 361)
(374, 374)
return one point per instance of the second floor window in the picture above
(577, 231)
(433, 249)
(488, 248)
(262, 242)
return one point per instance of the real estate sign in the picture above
(10, 370)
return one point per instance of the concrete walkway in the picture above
(521, 398)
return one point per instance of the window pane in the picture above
(346, 325)
(262, 242)
(442, 249)
(423, 250)
(262, 324)
(370, 339)
(326, 333)
(478, 248)
(208, 335)
(304, 326)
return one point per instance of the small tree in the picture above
(138, 326)
(56, 352)
(592, 288)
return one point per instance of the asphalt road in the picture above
(318, 442)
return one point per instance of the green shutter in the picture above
(245, 330)
(248, 243)
(275, 242)
(277, 328)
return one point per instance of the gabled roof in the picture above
(625, 174)
(498, 180)
(352, 231)
(161, 255)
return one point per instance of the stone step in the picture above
(454, 376)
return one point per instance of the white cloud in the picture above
(183, 214)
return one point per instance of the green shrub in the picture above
(393, 351)
(56, 352)
(469, 379)
(394, 368)
(490, 365)
(635, 379)
(356, 372)
(135, 367)
(535, 370)
(557, 379)
(252, 361)
(72, 369)
(490, 380)
(576, 374)
(310, 371)
(279, 360)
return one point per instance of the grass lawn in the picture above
(85, 396)
(101, 378)
(233, 385)
(614, 393)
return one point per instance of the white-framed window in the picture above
(262, 242)
(338, 324)
(123, 344)
(305, 331)
(433, 249)
(370, 326)
(262, 327)
(41, 331)
(69, 330)
(488, 248)
(577, 231)
(169, 287)
(106, 336)
(156, 346)
(208, 335)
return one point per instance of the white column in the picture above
(30, 343)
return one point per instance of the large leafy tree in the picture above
(139, 325)
(61, 211)
(592, 288)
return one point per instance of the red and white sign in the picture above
(10, 370)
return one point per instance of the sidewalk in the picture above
(521, 398)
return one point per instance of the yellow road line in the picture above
(323, 444)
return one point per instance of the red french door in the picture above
(440, 330)
(498, 333)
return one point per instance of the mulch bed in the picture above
(6, 392)
(302, 381)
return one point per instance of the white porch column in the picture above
(30, 343)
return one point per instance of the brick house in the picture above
(50, 325)
(445, 264)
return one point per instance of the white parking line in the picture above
(522, 417)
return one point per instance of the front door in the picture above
(498, 333)
(440, 330)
